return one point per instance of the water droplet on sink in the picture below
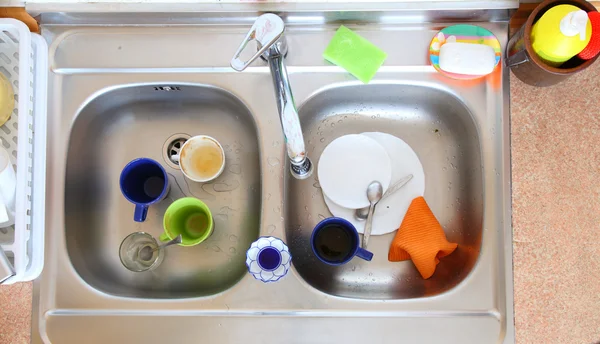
(309, 217)
(232, 250)
(226, 185)
(221, 217)
(233, 238)
(277, 210)
(332, 125)
(321, 217)
(305, 208)
(235, 168)
(273, 161)
(340, 121)
(216, 248)
(444, 168)
(271, 229)
(317, 185)
(322, 139)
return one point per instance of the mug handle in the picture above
(364, 254)
(164, 237)
(140, 213)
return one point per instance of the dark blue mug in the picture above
(335, 241)
(144, 182)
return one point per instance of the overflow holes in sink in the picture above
(172, 147)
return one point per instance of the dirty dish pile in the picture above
(188, 221)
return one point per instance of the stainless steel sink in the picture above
(122, 123)
(437, 123)
(125, 85)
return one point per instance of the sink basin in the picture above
(441, 130)
(128, 122)
(129, 85)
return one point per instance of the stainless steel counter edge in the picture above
(69, 303)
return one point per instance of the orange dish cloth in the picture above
(420, 238)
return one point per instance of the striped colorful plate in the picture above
(463, 33)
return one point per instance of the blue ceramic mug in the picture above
(335, 241)
(144, 182)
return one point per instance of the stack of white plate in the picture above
(351, 162)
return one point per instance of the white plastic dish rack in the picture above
(24, 61)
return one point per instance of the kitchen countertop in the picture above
(556, 217)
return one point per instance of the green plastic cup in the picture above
(189, 217)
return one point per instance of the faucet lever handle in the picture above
(266, 30)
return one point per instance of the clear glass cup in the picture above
(139, 252)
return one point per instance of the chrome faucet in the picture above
(268, 33)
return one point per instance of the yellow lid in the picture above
(561, 33)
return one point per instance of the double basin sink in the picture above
(121, 92)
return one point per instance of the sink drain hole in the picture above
(172, 147)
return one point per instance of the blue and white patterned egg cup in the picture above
(268, 259)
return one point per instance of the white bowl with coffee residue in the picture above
(202, 158)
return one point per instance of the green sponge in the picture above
(354, 53)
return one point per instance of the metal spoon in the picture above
(147, 251)
(361, 214)
(374, 193)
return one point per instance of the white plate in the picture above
(348, 165)
(390, 212)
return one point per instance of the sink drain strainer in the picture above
(172, 147)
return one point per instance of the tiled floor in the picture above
(15, 313)
(556, 210)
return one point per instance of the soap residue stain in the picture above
(221, 217)
(226, 210)
(235, 168)
(273, 161)
(194, 189)
(226, 185)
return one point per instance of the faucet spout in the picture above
(268, 32)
